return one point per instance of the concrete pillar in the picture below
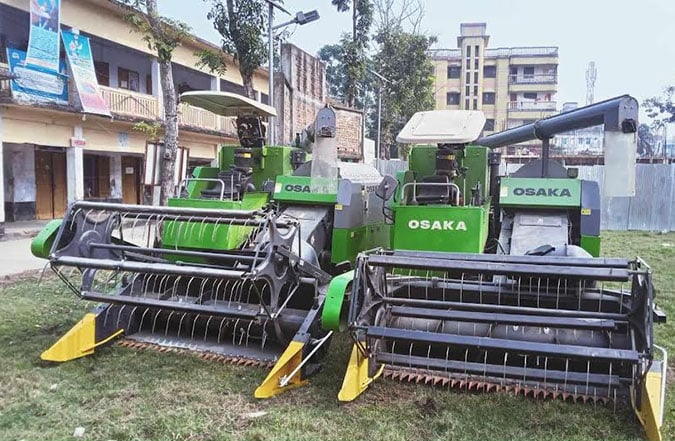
(116, 177)
(2, 182)
(215, 83)
(75, 169)
(157, 85)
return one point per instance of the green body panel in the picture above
(269, 162)
(297, 189)
(422, 161)
(41, 244)
(441, 228)
(591, 244)
(540, 192)
(334, 303)
(210, 236)
(348, 243)
(194, 188)
(475, 159)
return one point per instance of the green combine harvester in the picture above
(495, 283)
(238, 263)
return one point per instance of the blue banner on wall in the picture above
(35, 83)
(78, 52)
(43, 41)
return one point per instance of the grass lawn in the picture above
(122, 394)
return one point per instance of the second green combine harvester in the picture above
(479, 282)
(496, 283)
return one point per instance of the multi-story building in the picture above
(582, 142)
(512, 86)
(53, 153)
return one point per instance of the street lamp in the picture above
(300, 18)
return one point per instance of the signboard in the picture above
(43, 41)
(36, 84)
(81, 64)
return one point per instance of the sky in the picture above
(632, 43)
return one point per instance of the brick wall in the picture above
(300, 91)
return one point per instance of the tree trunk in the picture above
(170, 131)
(249, 91)
(168, 159)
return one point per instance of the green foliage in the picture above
(341, 5)
(353, 49)
(242, 26)
(331, 55)
(150, 129)
(403, 59)
(645, 146)
(216, 62)
(163, 39)
(662, 108)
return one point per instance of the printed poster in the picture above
(43, 40)
(35, 84)
(78, 53)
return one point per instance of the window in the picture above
(452, 98)
(477, 50)
(490, 71)
(467, 92)
(468, 63)
(475, 63)
(454, 71)
(475, 77)
(127, 79)
(468, 77)
(513, 70)
(530, 96)
(468, 51)
(513, 97)
(102, 70)
(528, 72)
(475, 90)
(488, 97)
(489, 125)
(475, 104)
(466, 103)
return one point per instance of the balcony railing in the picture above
(530, 106)
(139, 105)
(533, 79)
(132, 104)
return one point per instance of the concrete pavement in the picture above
(15, 257)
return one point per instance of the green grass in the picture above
(122, 394)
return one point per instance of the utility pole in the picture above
(379, 111)
(300, 18)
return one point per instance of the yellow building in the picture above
(53, 154)
(512, 86)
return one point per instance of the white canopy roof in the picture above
(443, 127)
(226, 103)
